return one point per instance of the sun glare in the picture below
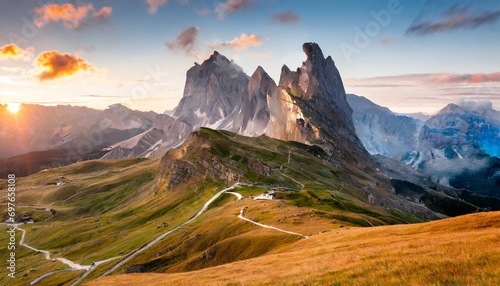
(13, 107)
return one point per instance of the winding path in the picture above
(236, 194)
(89, 268)
(147, 246)
(70, 263)
(51, 214)
(267, 226)
(40, 278)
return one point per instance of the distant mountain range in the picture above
(457, 147)
(39, 137)
(329, 162)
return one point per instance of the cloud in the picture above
(55, 65)
(431, 78)
(185, 40)
(381, 85)
(71, 16)
(387, 41)
(464, 78)
(288, 17)
(104, 13)
(13, 51)
(230, 6)
(154, 5)
(12, 70)
(454, 18)
(241, 43)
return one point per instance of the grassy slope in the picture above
(457, 251)
(111, 207)
(113, 212)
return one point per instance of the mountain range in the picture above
(180, 191)
(458, 146)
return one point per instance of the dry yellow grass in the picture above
(457, 251)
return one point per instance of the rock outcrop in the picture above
(213, 93)
(459, 147)
(192, 161)
(253, 115)
(381, 131)
(309, 105)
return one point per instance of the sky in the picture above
(408, 55)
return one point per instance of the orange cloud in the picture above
(465, 78)
(185, 40)
(15, 52)
(56, 65)
(241, 43)
(104, 13)
(288, 17)
(230, 6)
(72, 17)
(154, 5)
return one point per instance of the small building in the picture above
(265, 196)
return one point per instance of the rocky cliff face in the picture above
(381, 131)
(253, 115)
(309, 105)
(471, 130)
(457, 147)
(460, 147)
(193, 161)
(213, 92)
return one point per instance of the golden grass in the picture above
(457, 251)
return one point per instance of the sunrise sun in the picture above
(13, 107)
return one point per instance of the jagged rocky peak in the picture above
(287, 77)
(212, 92)
(253, 114)
(319, 81)
(217, 58)
(314, 55)
(325, 78)
(218, 63)
(261, 78)
(259, 73)
(451, 108)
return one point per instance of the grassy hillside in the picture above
(456, 251)
(102, 209)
